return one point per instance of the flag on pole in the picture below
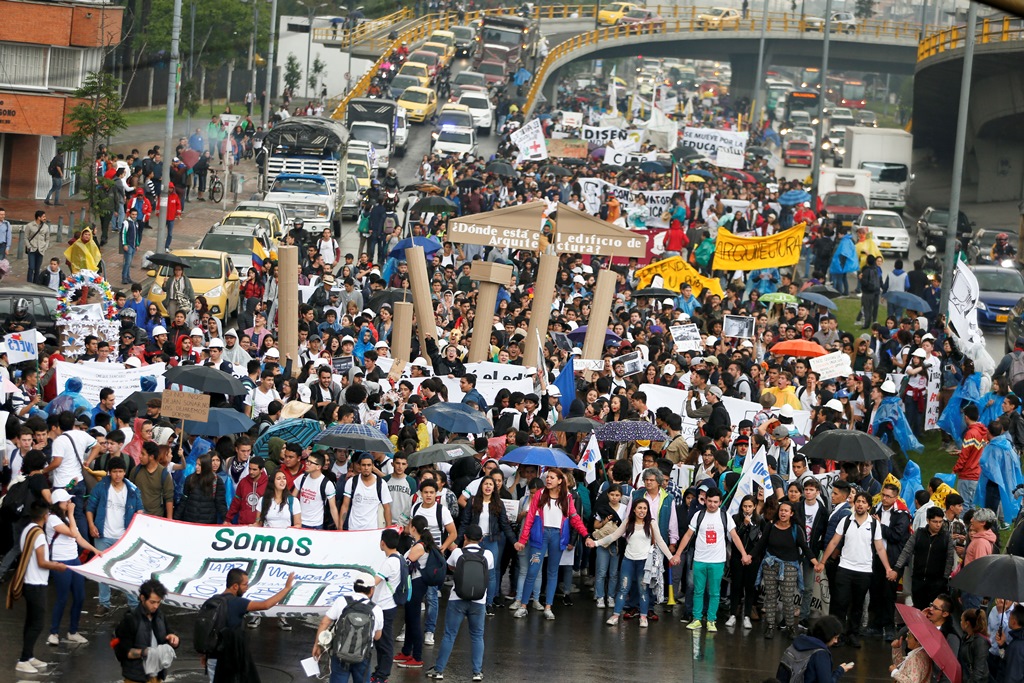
(566, 383)
(677, 177)
(259, 254)
(755, 471)
(588, 461)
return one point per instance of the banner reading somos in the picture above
(192, 562)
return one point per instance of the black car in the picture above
(42, 304)
(465, 41)
(931, 226)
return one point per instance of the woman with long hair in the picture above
(202, 501)
(487, 511)
(546, 529)
(784, 548)
(609, 514)
(823, 635)
(195, 316)
(974, 647)
(422, 543)
(279, 509)
(744, 576)
(64, 540)
(152, 319)
(641, 535)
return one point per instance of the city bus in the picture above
(853, 95)
(802, 100)
(810, 78)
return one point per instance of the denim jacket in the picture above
(97, 503)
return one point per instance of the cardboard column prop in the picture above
(543, 294)
(490, 276)
(593, 344)
(420, 281)
(401, 334)
(288, 305)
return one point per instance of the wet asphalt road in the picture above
(576, 647)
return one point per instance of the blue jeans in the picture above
(170, 233)
(126, 269)
(840, 283)
(553, 546)
(707, 578)
(56, 182)
(35, 264)
(632, 575)
(456, 612)
(342, 672)
(967, 489)
(492, 585)
(133, 600)
(523, 563)
(431, 598)
(73, 583)
(607, 569)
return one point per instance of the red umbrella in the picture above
(932, 640)
(799, 347)
(189, 157)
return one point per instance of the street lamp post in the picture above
(269, 85)
(168, 150)
(821, 99)
(759, 85)
(311, 10)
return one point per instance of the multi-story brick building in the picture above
(46, 49)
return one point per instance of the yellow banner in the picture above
(751, 253)
(675, 272)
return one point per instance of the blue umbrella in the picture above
(908, 300)
(521, 76)
(299, 431)
(457, 418)
(794, 197)
(702, 173)
(580, 333)
(817, 299)
(652, 167)
(429, 244)
(220, 422)
(541, 457)
(356, 437)
(629, 430)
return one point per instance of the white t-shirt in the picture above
(364, 506)
(453, 560)
(113, 522)
(811, 513)
(858, 548)
(62, 548)
(260, 401)
(34, 574)
(712, 539)
(280, 516)
(430, 515)
(391, 571)
(334, 613)
(310, 500)
(70, 467)
(553, 516)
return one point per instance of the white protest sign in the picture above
(530, 141)
(22, 346)
(587, 364)
(658, 201)
(572, 119)
(95, 376)
(504, 372)
(193, 560)
(686, 337)
(755, 472)
(931, 411)
(964, 294)
(724, 147)
(832, 365)
(603, 133)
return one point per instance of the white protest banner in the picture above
(499, 371)
(603, 133)
(192, 562)
(931, 410)
(587, 364)
(530, 141)
(95, 376)
(686, 337)
(22, 346)
(963, 304)
(724, 147)
(739, 410)
(488, 388)
(620, 157)
(630, 143)
(658, 201)
(755, 471)
(572, 119)
(831, 365)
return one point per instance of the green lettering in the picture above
(223, 541)
(262, 544)
(304, 546)
(284, 545)
(242, 542)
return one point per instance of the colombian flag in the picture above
(259, 254)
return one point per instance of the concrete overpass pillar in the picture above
(550, 87)
(744, 75)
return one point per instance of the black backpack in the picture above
(435, 570)
(210, 624)
(472, 574)
(328, 519)
(403, 591)
(871, 281)
(17, 501)
(353, 632)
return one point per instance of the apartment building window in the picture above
(22, 65)
(65, 68)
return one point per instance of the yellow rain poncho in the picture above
(84, 254)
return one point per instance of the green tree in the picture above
(292, 73)
(97, 117)
(317, 70)
(865, 9)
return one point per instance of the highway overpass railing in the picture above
(988, 31)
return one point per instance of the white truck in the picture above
(374, 121)
(886, 153)
(305, 169)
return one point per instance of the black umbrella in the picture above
(684, 152)
(756, 151)
(825, 290)
(433, 204)
(169, 260)
(846, 446)
(555, 169)
(470, 183)
(388, 296)
(139, 399)
(995, 576)
(656, 292)
(421, 186)
(501, 168)
(578, 425)
(440, 452)
(206, 379)
(614, 168)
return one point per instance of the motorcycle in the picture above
(390, 199)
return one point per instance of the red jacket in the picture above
(676, 238)
(173, 206)
(968, 464)
(248, 500)
(574, 519)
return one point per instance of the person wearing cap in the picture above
(719, 416)
(782, 449)
(65, 541)
(233, 352)
(363, 589)
(216, 359)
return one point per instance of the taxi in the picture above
(420, 103)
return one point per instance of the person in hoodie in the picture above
(895, 282)
(70, 399)
(468, 385)
(844, 261)
(364, 343)
(890, 421)
(1000, 473)
(823, 634)
(982, 534)
(248, 499)
(185, 355)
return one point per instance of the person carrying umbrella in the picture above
(914, 666)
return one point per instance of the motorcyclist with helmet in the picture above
(1002, 249)
(931, 262)
(20, 318)
(127, 318)
(391, 179)
(403, 51)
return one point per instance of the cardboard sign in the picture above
(739, 326)
(395, 373)
(567, 148)
(186, 405)
(831, 365)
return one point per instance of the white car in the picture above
(457, 140)
(481, 109)
(401, 130)
(888, 229)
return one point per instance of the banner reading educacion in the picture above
(724, 147)
(192, 562)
